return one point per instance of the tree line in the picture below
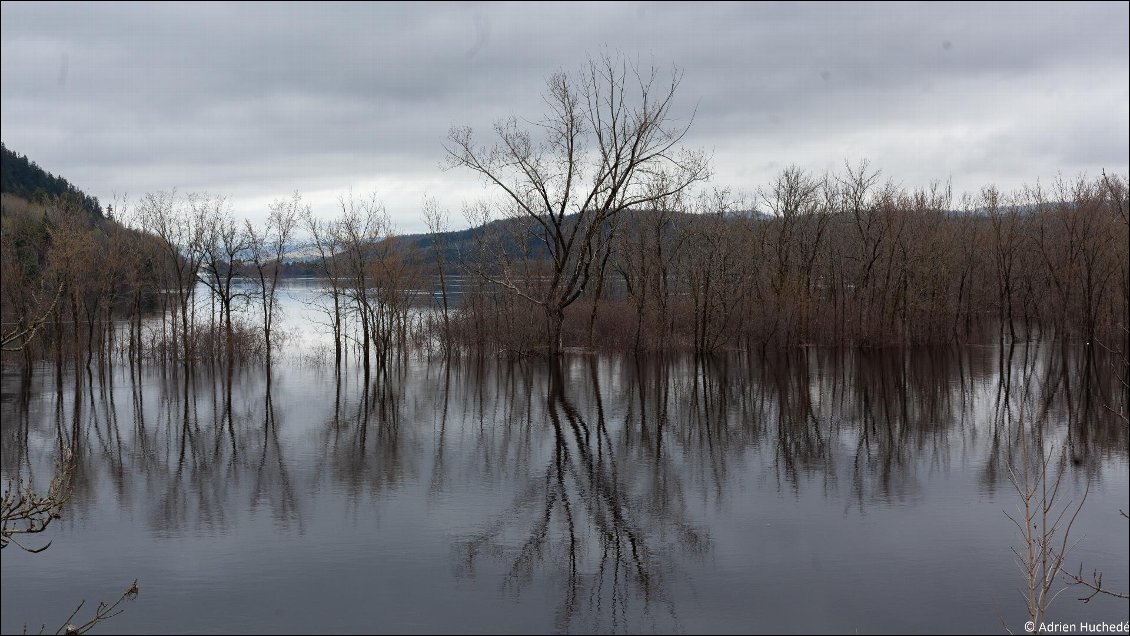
(837, 259)
(599, 234)
(22, 177)
(180, 279)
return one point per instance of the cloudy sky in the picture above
(257, 101)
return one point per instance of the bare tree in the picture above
(608, 139)
(267, 248)
(226, 244)
(326, 240)
(1043, 520)
(437, 221)
(180, 229)
(29, 293)
(20, 335)
(794, 235)
(24, 511)
(104, 611)
(364, 223)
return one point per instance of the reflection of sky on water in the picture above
(824, 490)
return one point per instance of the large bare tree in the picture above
(608, 143)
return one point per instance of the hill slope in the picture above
(23, 178)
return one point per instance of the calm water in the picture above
(820, 491)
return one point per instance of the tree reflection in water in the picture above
(599, 483)
(598, 517)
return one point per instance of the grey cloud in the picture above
(256, 100)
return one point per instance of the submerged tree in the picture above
(325, 239)
(180, 227)
(609, 143)
(226, 244)
(363, 224)
(267, 249)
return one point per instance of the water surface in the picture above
(822, 490)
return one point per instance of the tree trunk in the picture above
(555, 317)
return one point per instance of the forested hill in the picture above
(21, 177)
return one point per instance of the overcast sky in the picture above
(257, 101)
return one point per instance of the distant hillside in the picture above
(21, 177)
(459, 246)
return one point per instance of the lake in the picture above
(817, 489)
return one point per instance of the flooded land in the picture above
(484, 318)
(817, 489)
